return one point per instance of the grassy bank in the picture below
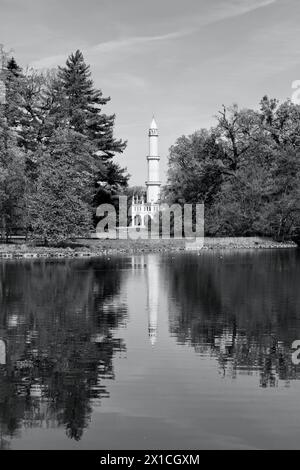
(91, 248)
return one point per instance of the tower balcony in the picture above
(153, 157)
(153, 183)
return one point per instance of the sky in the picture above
(178, 59)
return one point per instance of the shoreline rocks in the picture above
(96, 248)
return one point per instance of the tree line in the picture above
(246, 170)
(57, 149)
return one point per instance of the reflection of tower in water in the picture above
(149, 267)
(152, 296)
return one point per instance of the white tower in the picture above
(153, 183)
(141, 211)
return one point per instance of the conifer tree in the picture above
(83, 106)
(14, 86)
(11, 160)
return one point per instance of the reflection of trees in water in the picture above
(243, 308)
(58, 319)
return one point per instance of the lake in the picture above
(172, 351)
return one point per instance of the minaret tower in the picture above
(141, 210)
(153, 183)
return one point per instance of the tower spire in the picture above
(153, 124)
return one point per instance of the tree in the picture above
(246, 171)
(195, 168)
(60, 198)
(12, 184)
(14, 82)
(11, 170)
(26, 107)
(280, 214)
(82, 105)
(281, 123)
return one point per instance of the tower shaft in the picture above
(153, 182)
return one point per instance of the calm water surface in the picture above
(154, 351)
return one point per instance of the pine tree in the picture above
(11, 159)
(83, 107)
(82, 100)
(14, 85)
(25, 108)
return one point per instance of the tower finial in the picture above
(153, 124)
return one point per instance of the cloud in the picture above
(233, 8)
(134, 41)
(109, 47)
(213, 13)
